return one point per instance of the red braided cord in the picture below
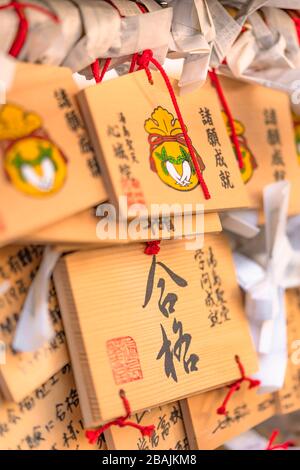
(94, 434)
(235, 387)
(98, 76)
(283, 446)
(23, 28)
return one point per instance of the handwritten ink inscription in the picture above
(215, 144)
(124, 151)
(166, 304)
(243, 412)
(48, 418)
(212, 286)
(274, 141)
(168, 424)
(75, 124)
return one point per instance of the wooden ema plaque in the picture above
(142, 150)
(206, 430)
(140, 323)
(49, 169)
(49, 418)
(263, 124)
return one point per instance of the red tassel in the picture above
(93, 435)
(235, 387)
(283, 446)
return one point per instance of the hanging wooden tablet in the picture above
(83, 228)
(264, 129)
(21, 373)
(169, 431)
(48, 170)
(144, 154)
(47, 419)
(206, 430)
(289, 395)
(168, 321)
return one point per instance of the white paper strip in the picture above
(34, 326)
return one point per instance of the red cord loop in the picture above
(23, 28)
(235, 387)
(233, 135)
(283, 446)
(152, 248)
(143, 61)
(98, 76)
(133, 62)
(94, 434)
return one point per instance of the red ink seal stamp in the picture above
(124, 359)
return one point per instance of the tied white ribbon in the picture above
(264, 275)
(34, 326)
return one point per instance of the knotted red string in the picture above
(143, 61)
(94, 434)
(133, 62)
(23, 28)
(283, 446)
(217, 84)
(98, 76)
(235, 387)
(152, 247)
